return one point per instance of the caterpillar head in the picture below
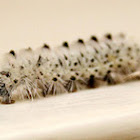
(4, 93)
(6, 98)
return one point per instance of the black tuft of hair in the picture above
(45, 46)
(94, 38)
(108, 36)
(12, 52)
(65, 44)
(80, 41)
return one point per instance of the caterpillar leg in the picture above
(109, 78)
(7, 100)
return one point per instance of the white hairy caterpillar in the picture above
(80, 65)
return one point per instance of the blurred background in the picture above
(25, 23)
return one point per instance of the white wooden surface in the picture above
(105, 113)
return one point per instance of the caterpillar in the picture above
(108, 60)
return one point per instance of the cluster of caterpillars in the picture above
(68, 68)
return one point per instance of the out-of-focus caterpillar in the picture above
(68, 68)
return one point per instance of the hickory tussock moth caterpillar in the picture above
(70, 67)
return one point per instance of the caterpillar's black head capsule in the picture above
(6, 98)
